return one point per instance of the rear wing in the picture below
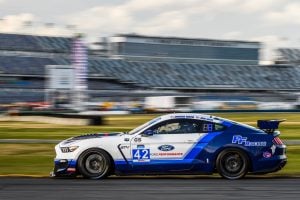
(269, 126)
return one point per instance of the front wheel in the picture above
(94, 164)
(232, 164)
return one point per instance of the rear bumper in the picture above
(275, 163)
(280, 164)
(64, 167)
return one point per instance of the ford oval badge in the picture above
(166, 147)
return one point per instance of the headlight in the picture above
(68, 149)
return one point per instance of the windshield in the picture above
(137, 129)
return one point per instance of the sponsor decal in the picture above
(189, 117)
(183, 117)
(238, 139)
(166, 147)
(162, 154)
(137, 139)
(267, 154)
(206, 119)
(124, 147)
(141, 155)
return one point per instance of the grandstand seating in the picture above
(197, 76)
(25, 65)
(16, 42)
(289, 55)
(167, 74)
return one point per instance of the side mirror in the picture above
(148, 133)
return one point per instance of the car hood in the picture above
(89, 136)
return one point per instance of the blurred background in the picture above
(112, 65)
(137, 73)
(194, 56)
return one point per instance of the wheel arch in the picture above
(98, 148)
(241, 148)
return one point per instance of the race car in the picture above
(186, 143)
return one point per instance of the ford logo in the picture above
(166, 147)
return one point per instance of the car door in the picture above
(167, 149)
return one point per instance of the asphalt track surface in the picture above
(149, 188)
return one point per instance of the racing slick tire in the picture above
(232, 163)
(94, 164)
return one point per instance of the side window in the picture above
(182, 126)
(177, 126)
(219, 127)
(169, 128)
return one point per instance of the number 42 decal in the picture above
(141, 155)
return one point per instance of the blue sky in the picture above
(274, 22)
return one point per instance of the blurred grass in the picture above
(26, 159)
(33, 130)
(37, 159)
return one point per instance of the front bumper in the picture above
(64, 167)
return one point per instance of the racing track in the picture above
(149, 188)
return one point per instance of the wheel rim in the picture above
(95, 164)
(232, 163)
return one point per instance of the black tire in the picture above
(94, 164)
(232, 163)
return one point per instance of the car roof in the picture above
(198, 116)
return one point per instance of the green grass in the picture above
(26, 159)
(293, 165)
(37, 159)
(32, 130)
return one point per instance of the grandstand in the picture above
(16, 42)
(288, 56)
(22, 72)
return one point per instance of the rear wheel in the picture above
(94, 164)
(232, 164)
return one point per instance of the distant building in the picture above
(206, 51)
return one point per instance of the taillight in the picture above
(277, 141)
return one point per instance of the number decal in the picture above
(141, 155)
(136, 155)
(146, 154)
(207, 127)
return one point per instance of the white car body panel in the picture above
(182, 142)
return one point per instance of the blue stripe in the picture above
(71, 162)
(189, 158)
(227, 123)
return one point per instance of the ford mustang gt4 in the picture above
(186, 143)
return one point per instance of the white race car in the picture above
(175, 144)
